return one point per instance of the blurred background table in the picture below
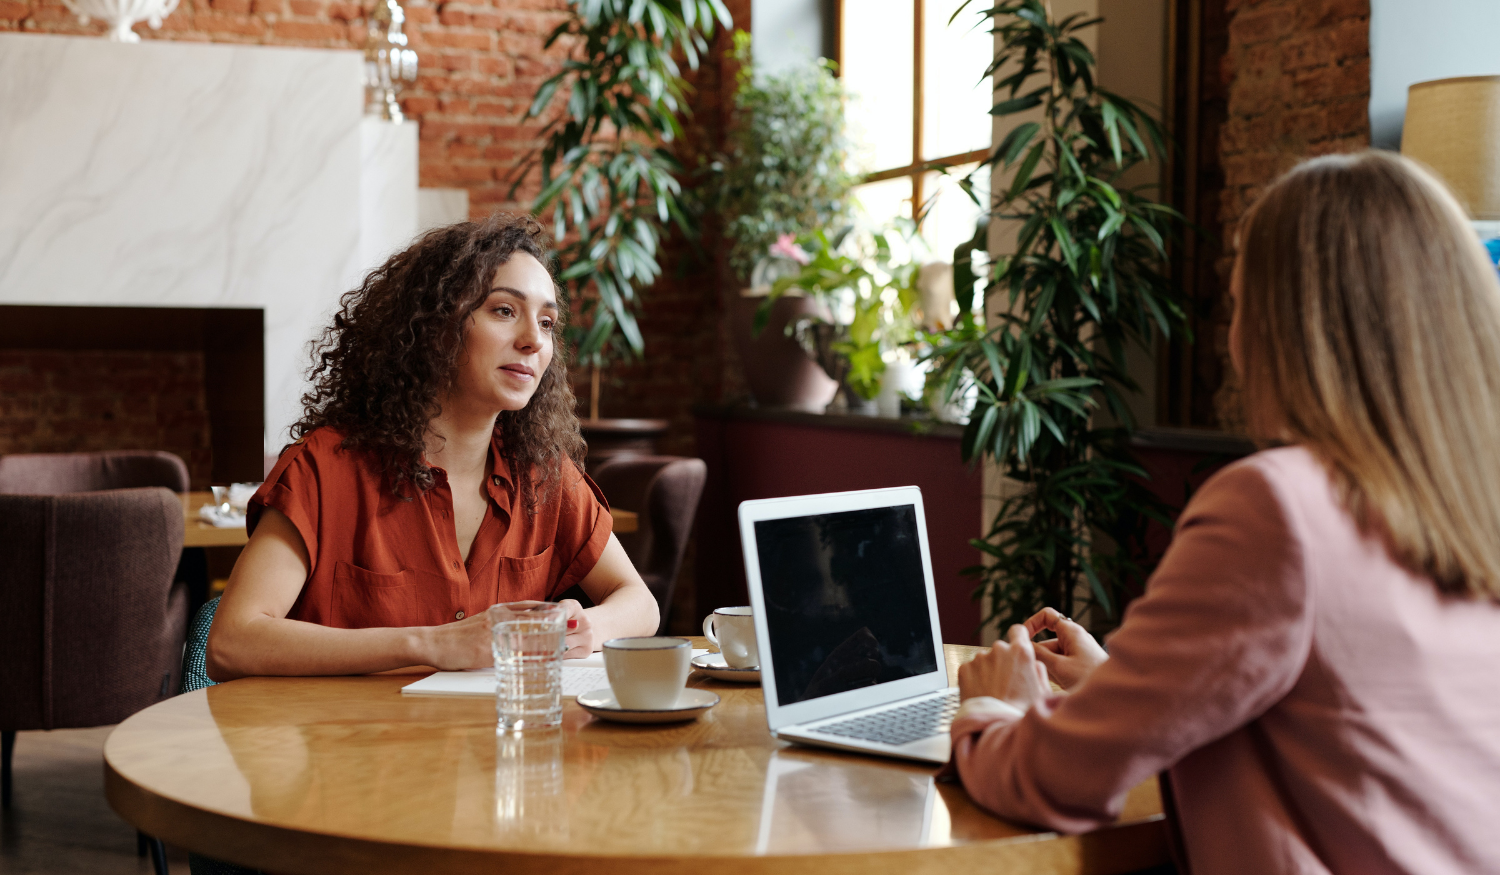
(303, 775)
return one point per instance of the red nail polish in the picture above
(572, 624)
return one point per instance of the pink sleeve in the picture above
(1221, 635)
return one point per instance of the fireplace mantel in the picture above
(170, 174)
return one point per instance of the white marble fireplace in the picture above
(165, 174)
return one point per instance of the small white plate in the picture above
(713, 665)
(690, 705)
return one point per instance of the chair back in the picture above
(60, 473)
(664, 491)
(195, 654)
(91, 621)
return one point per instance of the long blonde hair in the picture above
(1369, 326)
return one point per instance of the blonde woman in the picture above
(1316, 663)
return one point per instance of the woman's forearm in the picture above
(628, 611)
(267, 645)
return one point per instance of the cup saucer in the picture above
(692, 704)
(713, 665)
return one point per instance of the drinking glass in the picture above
(527, 639)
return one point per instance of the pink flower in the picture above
(786, 247)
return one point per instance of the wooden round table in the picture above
(332, 775)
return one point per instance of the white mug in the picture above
(732, 630)
(647, 674)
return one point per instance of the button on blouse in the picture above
(379, 561)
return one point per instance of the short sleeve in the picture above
(584, 525)
(293, 488)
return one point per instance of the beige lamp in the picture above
(1453, 126)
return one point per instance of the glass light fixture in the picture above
(389, 65)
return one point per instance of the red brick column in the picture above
(1298, 75)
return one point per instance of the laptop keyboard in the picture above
(901, 725)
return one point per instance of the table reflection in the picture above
(530, 795)
(816, 803)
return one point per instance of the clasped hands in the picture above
(1016, 670)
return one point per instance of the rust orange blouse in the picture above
(379, 561)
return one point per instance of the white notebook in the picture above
(579, 676)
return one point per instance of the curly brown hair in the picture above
(394, 346)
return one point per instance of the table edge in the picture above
(1118, 848)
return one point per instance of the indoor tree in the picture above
(1084, 279)
(785, 168)
(609, 181)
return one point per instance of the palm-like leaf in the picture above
(1085, 281)
(607, 186)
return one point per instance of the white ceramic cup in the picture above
(647, 674)
(732, 630)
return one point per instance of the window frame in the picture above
(919, 168)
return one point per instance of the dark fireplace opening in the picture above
(190, 381)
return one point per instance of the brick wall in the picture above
(69, 401)
(1298, 79)
(689, 351)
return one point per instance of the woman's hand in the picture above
(459, 645)
(1072, 655)
(1008, 672)
(580, 640)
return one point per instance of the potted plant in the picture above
(609, 183)
(1084, 280)
(784, 170)
(863, 295)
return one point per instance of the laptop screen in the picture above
(845, 600)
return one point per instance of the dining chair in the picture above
(195, 677)
(664, 492)
(91, 618)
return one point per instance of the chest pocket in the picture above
(364, 599)
(526, 577)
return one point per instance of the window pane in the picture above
(879, 69)
(951, 214)
(956, 103)
(881, 202)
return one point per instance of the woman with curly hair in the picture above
(435, 472)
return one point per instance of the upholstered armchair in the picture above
(664, 492)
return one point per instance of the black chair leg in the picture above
(140, 843)
(158, 855)
(7, 747)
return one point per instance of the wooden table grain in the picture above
(197, 533)
(334, 775)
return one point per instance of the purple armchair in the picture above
(92, 622)
(664, 491)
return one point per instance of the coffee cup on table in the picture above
(732, 630)
(647, 674)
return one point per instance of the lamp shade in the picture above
(1453, 126)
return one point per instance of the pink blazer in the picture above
(1320, 708)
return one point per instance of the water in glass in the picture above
(527, 639)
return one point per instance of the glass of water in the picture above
(527, 638)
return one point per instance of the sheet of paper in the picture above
(579, 676)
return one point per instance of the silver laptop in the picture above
(851, 656)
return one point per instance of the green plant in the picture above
(865, 295)
(1084, 281)
(785, 168)
(607, 175)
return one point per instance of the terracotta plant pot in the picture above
(780, 374)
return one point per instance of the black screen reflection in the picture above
(845, 600)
